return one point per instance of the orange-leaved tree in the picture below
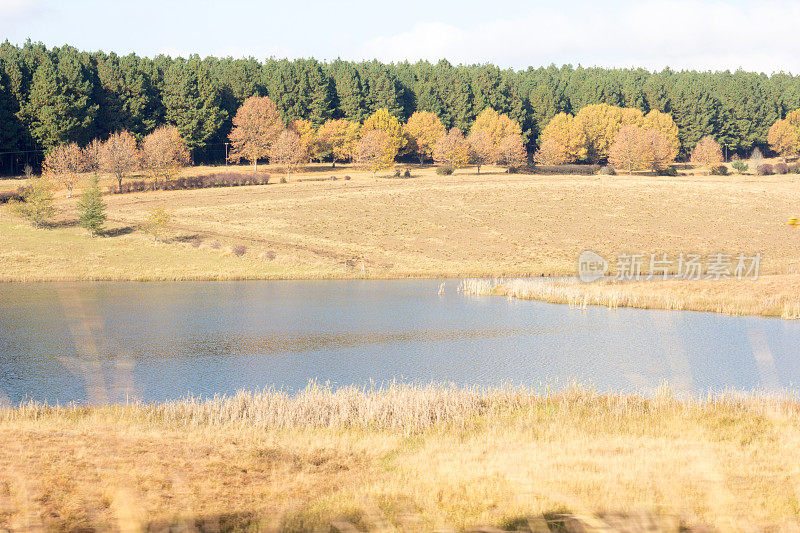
(784, 136)
(288, 150)
(164, 152)
(636, 148)
(256, 125)
(119, 156)
(483, 149)
(384, 121)
(63, 163)
(707, 152)
(511, 152)
(452, 150)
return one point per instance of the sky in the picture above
(681, 34)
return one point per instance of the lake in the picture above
(106, 342)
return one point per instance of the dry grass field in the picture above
(466, 225)
(405, 458)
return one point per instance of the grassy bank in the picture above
(771, 296)
(404, 458)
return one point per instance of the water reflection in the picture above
(105, 342)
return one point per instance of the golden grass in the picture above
(773, 296)
(403, 458)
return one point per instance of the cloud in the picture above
(697, 34)
(15, 12)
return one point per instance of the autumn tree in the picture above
(306, 132)
(256, 126)
(483, 149)
(498, 126)
(288, 150)
(636, 148)
(163, 152)
(707, 152)
(784, 138)
(511, 152)
(563, 141)
(63, 163)
(158, 220)
(423, 130)
(600, 123)
(91, 156)
(119, 156)
(452, 150)
(376, 150)
(336, 139)
(664, 123)
(384, 121)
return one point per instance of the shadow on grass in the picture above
(117, 232)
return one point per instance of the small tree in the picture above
(375, 151)
(484, 151)
(307, 133)
(91, 156)
(707, 152)
(452, 150)
(157, 221)
(92, 209)
(164, 153)
(256, 125)
(64, 163)
(37, 205)
(119, 156)
(289, 151)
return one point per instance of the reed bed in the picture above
(405, 458)
(726, 296)
(401, 407)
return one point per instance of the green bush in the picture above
(669, 171)
(445, 170)
(740, 166)
(719, 170)
(37, 205)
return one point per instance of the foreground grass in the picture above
(771, 296)
(403, 458)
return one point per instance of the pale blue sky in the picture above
(701, 34)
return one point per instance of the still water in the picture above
(105, 342)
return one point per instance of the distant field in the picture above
(492, 224)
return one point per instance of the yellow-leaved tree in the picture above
(563, 141)
(600, 123)
(423, 130)
(256, 125)
(336, 140)
(307, 133)
(784, 136)
(637, 148)
(382, 120)
(452, 150)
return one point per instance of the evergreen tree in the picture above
(91, 208)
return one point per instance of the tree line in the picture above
(54, 96)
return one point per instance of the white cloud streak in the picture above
(694, 34)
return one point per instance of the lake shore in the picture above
(492, 225)
(405, 457)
